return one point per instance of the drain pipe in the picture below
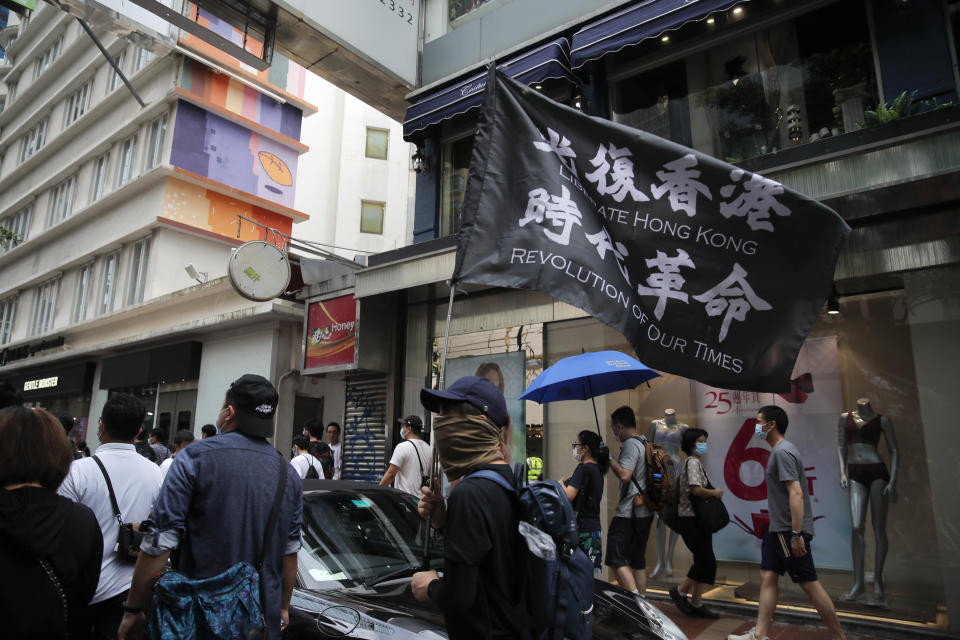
(283, 376)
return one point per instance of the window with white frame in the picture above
(17, 223)
(44, 306)
(115, 80)
(33, 139)
(142, 58)
(98, 184)
(61, 201)
(8, 311)
(108, 283)
(77, 103)
(155, 135)
(128, 154)
(82, 292)
(138, 271)
(45, 59)
(12, 91)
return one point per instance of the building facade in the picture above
(851, 103)
(111, 202)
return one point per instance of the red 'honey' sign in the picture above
(331, 332)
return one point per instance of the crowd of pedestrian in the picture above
(135, 506)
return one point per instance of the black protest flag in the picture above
(709, 271)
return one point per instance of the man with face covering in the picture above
(480, 593)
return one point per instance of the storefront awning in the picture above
(551, 60)
(636, 23)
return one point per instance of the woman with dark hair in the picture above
(585, 490)
(50, 547)
(693, 481)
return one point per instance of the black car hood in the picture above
(391, 604)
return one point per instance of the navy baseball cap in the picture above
(256, 403)
(479, 392)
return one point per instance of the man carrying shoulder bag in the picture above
(233, 507)
(119, 485)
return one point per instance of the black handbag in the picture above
(710, 513)
(128, 538)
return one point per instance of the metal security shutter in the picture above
(365, 429)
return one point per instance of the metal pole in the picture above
(110, 59)
(593, 399)
(435, 463)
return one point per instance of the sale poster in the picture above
(737, 459)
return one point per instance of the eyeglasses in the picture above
(577, 444)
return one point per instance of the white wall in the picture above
(335, 175)
(224, 360)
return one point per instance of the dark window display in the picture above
(456, 166)
(793, 83)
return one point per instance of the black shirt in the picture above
(482, 587)
(588, 479)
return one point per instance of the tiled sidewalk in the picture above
(699, 629)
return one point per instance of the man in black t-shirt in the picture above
(481, 592)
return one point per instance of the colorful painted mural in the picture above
(236, 97)
(283, 73)
(216, 148)
(196, 206)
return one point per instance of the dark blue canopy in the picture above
(638, 22)
(551, 60)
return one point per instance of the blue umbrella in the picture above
(586, 376)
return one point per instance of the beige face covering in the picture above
(464, 442)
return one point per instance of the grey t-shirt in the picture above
(785, 465)
(632, 458)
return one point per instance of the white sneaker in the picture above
(749, 635)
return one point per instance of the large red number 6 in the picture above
(737, 455)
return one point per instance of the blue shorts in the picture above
(775, 555)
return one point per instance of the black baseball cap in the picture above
(256, 403)
(414, 422)
(479, 392)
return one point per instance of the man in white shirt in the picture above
(411, 458)
(181, 439)
(303, 462)
(136, 482)
(333, 437)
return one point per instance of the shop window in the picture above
(115, 80)
(155, 136)
(45, 59)
(371, 216)
(8, 311)
(82, 292)
(782, 86)
(136, 280)
(44, 306)
(128, 155)
(61, 201)
(377, 140)
(99, 183)
(463, 11)
(18, 224)
(456, 166)
(108, 283)
(33, 139)
(76, 104)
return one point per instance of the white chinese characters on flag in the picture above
(737, 459)
(710, 271)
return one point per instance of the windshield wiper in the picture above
(402, 572)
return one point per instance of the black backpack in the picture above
(144, 449)
(312, 473)
(322, 452)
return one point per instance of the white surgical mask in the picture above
(576, 455)
(758, 431)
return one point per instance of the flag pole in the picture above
(435, 462)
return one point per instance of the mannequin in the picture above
(864, 474)
(666, 432)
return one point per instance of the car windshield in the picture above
(352, 536)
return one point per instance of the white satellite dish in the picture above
(259, 271)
